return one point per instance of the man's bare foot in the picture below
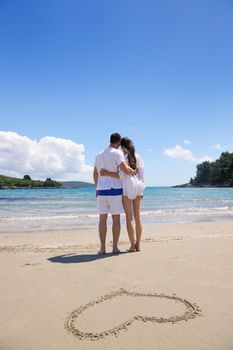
(101, 251)
(116, 251)
(137, 247)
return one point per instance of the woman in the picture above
(133, 186)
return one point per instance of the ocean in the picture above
(61, 209)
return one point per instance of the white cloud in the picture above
(187, 142)
(61, 159)
(185, 154)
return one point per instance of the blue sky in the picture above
(160, 72)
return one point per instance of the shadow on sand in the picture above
(81, 258)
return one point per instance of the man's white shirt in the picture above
(109, 159)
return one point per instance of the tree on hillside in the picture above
(51, 183)
(218, 173)
(27, 177)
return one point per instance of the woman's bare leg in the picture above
(137, 218)
(129, 221)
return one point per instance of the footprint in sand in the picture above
(32, 264)
(92, 321)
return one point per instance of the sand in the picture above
(177, 293)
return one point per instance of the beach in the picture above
(119, 109)
(57, 293)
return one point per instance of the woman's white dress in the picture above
(133, 185)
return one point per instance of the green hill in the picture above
(27, 182)
(214, 174)
(76, 184)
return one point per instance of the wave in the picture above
(49, 217)
(149, 213)
(189, 211)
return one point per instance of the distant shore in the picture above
(189, 185)
(11, 183)
(28, 188)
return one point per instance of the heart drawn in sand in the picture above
(127, 308)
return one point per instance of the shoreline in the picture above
(69, 240)
(11, 226)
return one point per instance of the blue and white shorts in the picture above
(110, 201)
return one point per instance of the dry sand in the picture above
(177, 293)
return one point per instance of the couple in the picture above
(119, 178)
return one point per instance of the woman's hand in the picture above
(104, 172)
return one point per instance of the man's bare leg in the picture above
(102, 232)
(116, 228)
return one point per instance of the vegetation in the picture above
(218, 173)
(51, 183)
(26, 182)
(27, 177)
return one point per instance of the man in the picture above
(109, 190)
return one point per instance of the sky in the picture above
(72, 72)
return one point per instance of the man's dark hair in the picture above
(115, 138)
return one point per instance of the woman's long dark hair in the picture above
(129, 146)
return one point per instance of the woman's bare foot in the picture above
(101, 251)
(116, 251)
(132, 249)
(137, 247)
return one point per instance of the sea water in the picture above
(27, 210)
